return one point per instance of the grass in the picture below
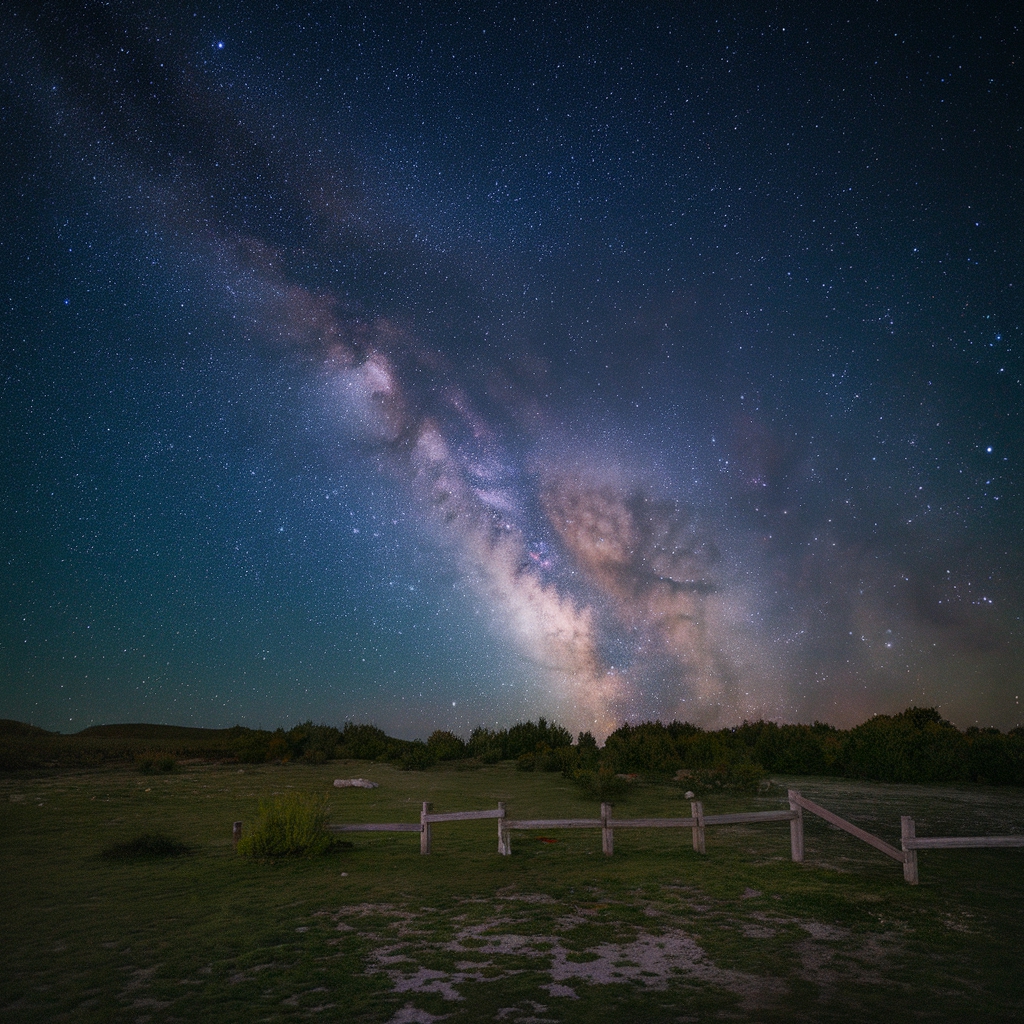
(555, 932)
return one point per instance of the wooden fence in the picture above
(427, 819)
(698, 823)
(911, 843)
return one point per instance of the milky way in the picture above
(443, 371)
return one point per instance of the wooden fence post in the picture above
(607, 842)
(504, 847)
(425, 828)
(236, 833)
(909, 856)
(697, 810)
(796, 829)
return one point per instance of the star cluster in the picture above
(447, 367)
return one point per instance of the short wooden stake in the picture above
(909, 856)
(607, 841)
(697, 811)
(425, 828)
(236, 832)
(796, 829)
(504, 847)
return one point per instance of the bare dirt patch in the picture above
(649, 959)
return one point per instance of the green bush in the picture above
(446, 746)
(291, 825)
(418, 757)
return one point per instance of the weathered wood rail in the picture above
(698, 823)
(846, 826)
(911, 843)
(423, 826)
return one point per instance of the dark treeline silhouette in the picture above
(916, 745)
(319, 743)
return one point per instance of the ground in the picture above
(557, 932)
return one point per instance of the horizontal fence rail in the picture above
(655, 822)
(746, 818)
(698, 822)
(552, 823)
(961, 842)
(465, 815)
(401, 826)
(911, 843)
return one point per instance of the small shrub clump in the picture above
(419, 757)
(147, 847)
(154, 764)
(741, 777)
(288, 826)
(602, 783)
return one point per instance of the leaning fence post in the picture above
(796, 829)
(909, 856)
(236, 833)
(607, 842)
(697, 810)
(503, 844)
(425, 828)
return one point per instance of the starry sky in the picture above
(444, 365)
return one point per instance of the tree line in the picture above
(915, 746)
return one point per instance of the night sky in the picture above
(439, 365)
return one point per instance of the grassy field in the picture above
(557, 932)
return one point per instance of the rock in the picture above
(357, 783)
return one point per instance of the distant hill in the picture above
(9, 727)
(127, 731)
(144, 731)
(28, 746)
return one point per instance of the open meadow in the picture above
(374, 932)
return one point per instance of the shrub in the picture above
(917, 745)
(291, 825)
(152, 764)
(740, 777)
(251, 746)
(602, 783)
(418, 757)
(315, 744)
(147, 847)
(446, 746)
(527, 737)
(365, 743)
(486, 744)
(278, 748)
(648, 747)
(547, 760)
(586, 750)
